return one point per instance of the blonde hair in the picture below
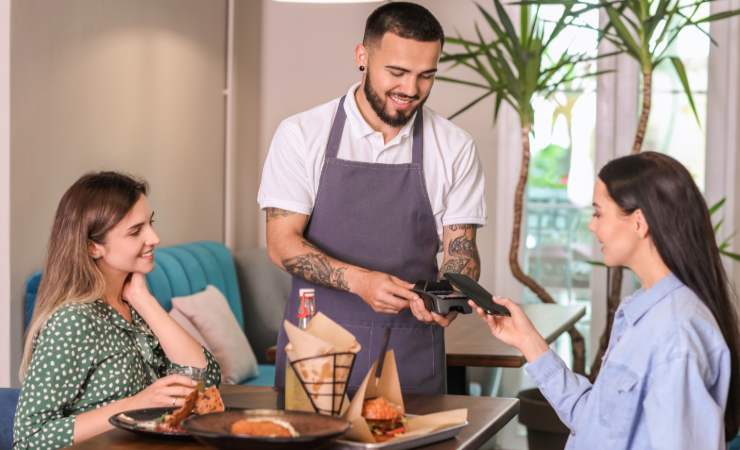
(87, 211)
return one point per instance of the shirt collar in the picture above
(640, 302)
(137, 324)
(360, 124)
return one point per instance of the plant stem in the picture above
(577, 341)
(647, 88)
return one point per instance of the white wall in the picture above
(5, 304)
(133, 85)
(247, 121)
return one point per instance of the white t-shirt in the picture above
(452, 170)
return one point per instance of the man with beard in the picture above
(361, 191)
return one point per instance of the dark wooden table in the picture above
(469, 342)
(486, 416)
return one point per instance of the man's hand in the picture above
(384, 293)
(423, 315)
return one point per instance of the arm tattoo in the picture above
(461, 254)
(463, 227)
(317, 268)
(462, 246)
(456, 265)
(275, 213)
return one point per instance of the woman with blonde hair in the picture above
(99, 343)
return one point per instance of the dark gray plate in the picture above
(314, 430)
(142, 421)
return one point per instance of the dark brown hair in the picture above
(408, 20)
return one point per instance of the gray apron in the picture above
(376, 216)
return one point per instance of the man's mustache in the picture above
(404, 96)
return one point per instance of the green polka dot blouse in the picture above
(86, 356)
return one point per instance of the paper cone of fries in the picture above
(322, 357)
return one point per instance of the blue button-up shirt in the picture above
(663, 383)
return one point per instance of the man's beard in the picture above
(400, 119)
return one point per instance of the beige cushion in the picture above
(209, 312)
(187, 325)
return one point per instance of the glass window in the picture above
(672, 128)
(557, 243)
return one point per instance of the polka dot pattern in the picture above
(86, 356)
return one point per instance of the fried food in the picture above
(172, 421)
(200, 401)
(263, 427)
(209, 401)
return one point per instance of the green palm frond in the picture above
(516, 65)
(646, 30)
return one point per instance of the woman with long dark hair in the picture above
(99, 343)
(669, 378)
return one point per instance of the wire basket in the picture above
(324, 379)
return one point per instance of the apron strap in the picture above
(337, 127)
(417, 147)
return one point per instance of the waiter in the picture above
(360, 192)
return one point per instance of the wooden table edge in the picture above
(458, 360)
(510, 361)
(484, 435)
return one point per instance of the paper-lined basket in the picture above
(324, 379)
(322, 357)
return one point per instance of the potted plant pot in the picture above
(545, 431)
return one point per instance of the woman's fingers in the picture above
(510, 304)
(478, 310)
(176, 379)
(176, 391)
(491, 320)
(172, 402)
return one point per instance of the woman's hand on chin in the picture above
(135, 289)
(516, 330)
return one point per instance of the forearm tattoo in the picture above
(274, 213)
(317, 268)
(461, 254)
(463, 227)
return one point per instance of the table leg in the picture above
(456, 384)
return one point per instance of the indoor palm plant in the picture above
(644, 30)
(515, 66)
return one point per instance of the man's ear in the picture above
(361, 55)
(640, 223)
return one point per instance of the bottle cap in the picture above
(306, 291)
